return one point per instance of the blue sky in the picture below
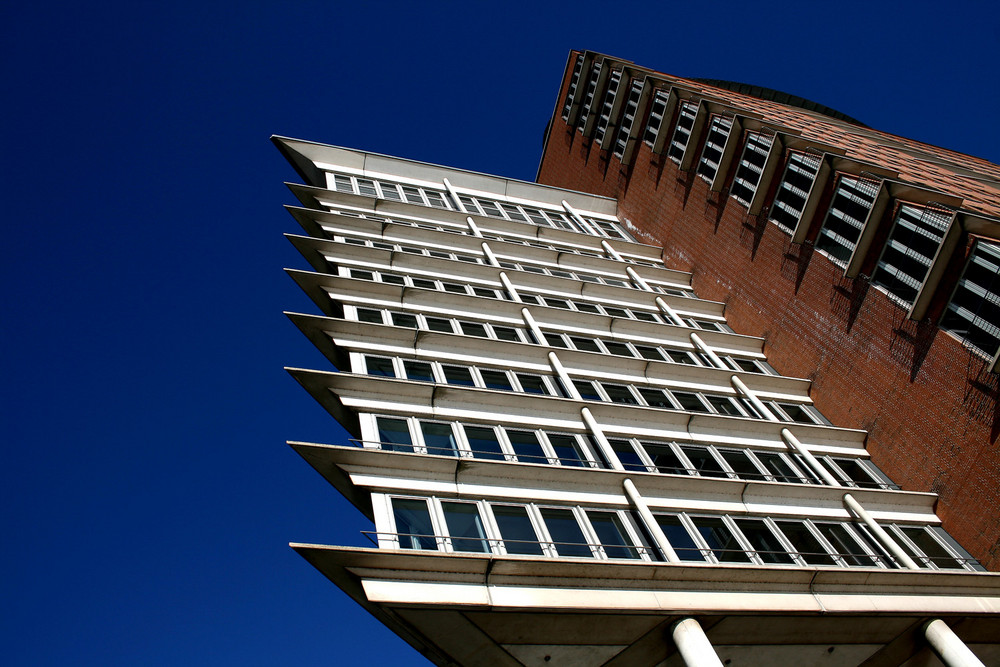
(147, 494)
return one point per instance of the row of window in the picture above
(535, 529)
(500, 443)
(462, 229)
(672, 458)
(555, 302)
(483, 441)
(566, 341)
(590, 390)
(424, 196)
(516, 266)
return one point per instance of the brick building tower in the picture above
(869, 262)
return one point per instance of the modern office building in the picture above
(869, 262)
(568, 455)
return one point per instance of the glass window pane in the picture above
(380, 366)
(506, 333)
(484, 443)
(494, 379)
(805, 543)
(704, 463)
(619, 394)
(778, 468)
(439, 324)
(844, 544)
(656, 398)
(611, 535)
(620, 349)
(394, 434)
(465, 527)
(404, 320)
(532, 384)
(526, 446)
(665, 460)
(587, 390)
(690, 402)
(473, 329)
(413, 524)
(459, 375)
(930, 546)
(649, 352)
(768, 547)
(741, 464)
(516, 530)
(626, 453)
(439, 438)
(585, 344)
(679, 538)
(565, 531)
(418, 370)
(370, 315)
(567, 449)
(720, 539)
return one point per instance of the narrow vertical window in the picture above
(611, 535)
(516, 529)
(793, 191)
(574, 83)
(567, 537)
(913, 242)
(715, 144)
(628, 118)
(973, 313)
(682, 131)
(465, 527)
(439, 439)
(656, 112)
(751, 167)
(394, 434)
(413, 524)
(852, 202)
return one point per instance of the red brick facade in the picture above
(928, 403)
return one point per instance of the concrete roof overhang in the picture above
(485, 610)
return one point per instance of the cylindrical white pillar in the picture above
(599, 437)
(454, 196)
(649, 521)
(564, 377)
(637, 279)
(509, 286)
(739, 385)
(804, 452)
(707, 351)
(948, 646)
(879, 532)
(670, 312)
(693, 644)
(579, 219)
(611, 251)
(473, 227)
(536, 330)
(489, 254)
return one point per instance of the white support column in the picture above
(707, 351)
(752, 397)
(796, 446)
(637, 279)
(649, 521)
(473, 227)
(564, 377)
(611, 251)
(579, 219)
(454, 196)
(693, 644)
(509, 286)
(948, 646)
(533, 325)
(879, 532)
(489, 254)
(670, 312)
(599, 438)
